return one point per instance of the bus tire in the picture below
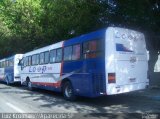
(68, 91)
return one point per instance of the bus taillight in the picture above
(111, 78)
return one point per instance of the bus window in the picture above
(76, 52)
(26, 61)
(93, 45)
(42, 58)
(46, 57)
(37, 59)
(34, 59)
(6, 63)
(3, 64)
(59, 55)
(11, 62)
(52, 56)
(29, 61)
(91, 49)
(67, 53)
(21, 62)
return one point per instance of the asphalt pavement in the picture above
(17, 99)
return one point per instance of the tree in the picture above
(22, 19)
(63, 19)
(37, 23)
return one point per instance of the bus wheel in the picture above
(29, 85)
(68, 91)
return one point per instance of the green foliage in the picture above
(61, 17)
(22, 19)
(29, 24)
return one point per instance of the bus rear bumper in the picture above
(113, 89)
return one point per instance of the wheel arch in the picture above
(27, 79)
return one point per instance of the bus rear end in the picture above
(126, 61)
(17, 67)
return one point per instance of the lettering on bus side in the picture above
(32, 69)
(39, 69)
(44, 69)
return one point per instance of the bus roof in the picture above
(85, 37)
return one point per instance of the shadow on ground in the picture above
(132, 102)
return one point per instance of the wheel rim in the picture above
(68, 91)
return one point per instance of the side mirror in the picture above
(20, 63)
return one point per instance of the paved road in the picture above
(17, 99)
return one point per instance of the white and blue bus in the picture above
(10, 69)
(105, 62)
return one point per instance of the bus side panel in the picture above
(2, 74)
(96, 68)
(46, 87)
(43, 75)
(9, 74)
(88, 78)
(80, 79)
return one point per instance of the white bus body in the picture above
(17, 67)
(126, 58)
(10, 69)
(46, 74)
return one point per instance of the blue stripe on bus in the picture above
(121, 47)
(9, 72)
